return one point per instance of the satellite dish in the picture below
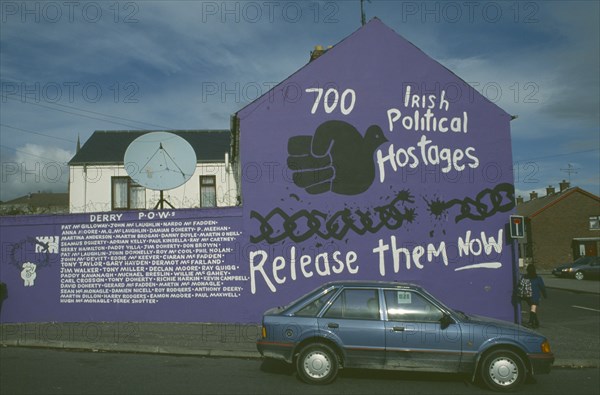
(160, 161)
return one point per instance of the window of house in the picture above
(208, 191)
(127, 195)
(595, 222)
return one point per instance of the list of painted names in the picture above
(146, 262)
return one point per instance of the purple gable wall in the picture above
(328, 194)
(324, 194)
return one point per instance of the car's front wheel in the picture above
(579, 275)
(503, 370)
(317, 364)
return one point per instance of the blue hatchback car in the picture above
(397, 326)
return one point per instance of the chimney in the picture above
(550, 190)
(564, 185)
(520, 199)
(533, 195)
(318, 51)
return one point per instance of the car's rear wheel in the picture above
(579, 275)
(317, 364)
(503, 370)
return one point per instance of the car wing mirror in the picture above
(446, 321)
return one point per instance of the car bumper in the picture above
(541, 363)
(276, 350)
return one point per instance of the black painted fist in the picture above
(337, 158)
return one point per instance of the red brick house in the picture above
(560, 226)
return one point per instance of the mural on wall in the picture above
(44, 248)
(124, 266)
(389, 169)
(392, 169)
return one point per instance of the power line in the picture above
(557, 155)
(110, 116)
(91, 112)
(79, 115)
(85, 111)
(30, 154)
(36, 133)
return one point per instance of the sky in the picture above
(68, 68)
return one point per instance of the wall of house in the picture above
(554, 229)
(362, 185)
(90, 188)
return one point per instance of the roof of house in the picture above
(533, 207)
(375, 31)
(40, 199)
(108, 147)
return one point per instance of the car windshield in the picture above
(583, 260)
(431, 297)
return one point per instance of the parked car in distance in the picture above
(397, 326)
(586, 267)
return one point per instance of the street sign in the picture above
(517, 226)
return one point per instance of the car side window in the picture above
(360, 304)
(314, 307)
(410, 306)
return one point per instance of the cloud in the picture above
(34, 168)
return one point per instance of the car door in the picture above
(354, 321)
(593, 271)
(415, 336)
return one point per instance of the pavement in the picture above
(238, 340)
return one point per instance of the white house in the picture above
(99, 182)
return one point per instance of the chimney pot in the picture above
(520, 199)
(564, 185)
